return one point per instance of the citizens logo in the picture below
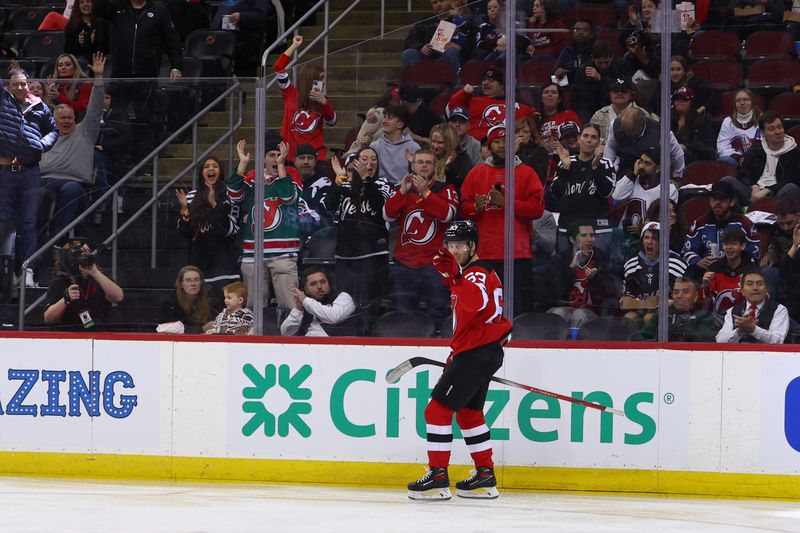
(791, 414)
(261, 416)
(537, 418)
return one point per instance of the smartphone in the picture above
(318, 85)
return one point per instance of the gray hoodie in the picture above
(392, 157)
(72, 157)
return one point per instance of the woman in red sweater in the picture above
(70, 84)
(306, 106)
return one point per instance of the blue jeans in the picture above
(411, 56)
(19, 202)
(410, 285)
(69, 198)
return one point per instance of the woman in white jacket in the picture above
(740, 129)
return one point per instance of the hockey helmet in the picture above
(462, 230)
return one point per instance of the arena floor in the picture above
(46, 505)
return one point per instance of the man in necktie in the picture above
(758, 319)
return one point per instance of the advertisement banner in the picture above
(779, 433)
(71, 395)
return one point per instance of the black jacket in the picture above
(140, 38)
(756, 158)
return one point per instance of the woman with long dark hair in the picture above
(207, 222)
(691, 128)
(305, 107)
(189, 303)
(362, 241)
(85, 33)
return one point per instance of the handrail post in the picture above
(383, 17)
(154, 214)
(510, 168)
(195, 141)
(325, 41)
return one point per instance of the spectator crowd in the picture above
(349, 234)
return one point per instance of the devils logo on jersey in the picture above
(418, 229)
(272, 214)
(305, 122)
(493, 115)
(727, 299)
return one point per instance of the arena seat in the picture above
(26, 18)
(608, 328)
(706, 172)
(320, 247)
(472, 72)
(601, 15)
(404, 324)
(215, 49)
(795, 133)
(765, 204)
(723, 74)
(715, 44)
(540, 326)
(768, 45)
(43, 44)
(691, 210)
(535, 73)
(430, 73)
(773, 75)
(787, 105)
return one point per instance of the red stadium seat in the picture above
(612, 38)
(795, 133)
(773, 75)
(439, 103)
(787, 105)
(535, 73)
(602, 16)
(715, 44)
(692, 209)
(721, 74)
(472, 72)
(706, 172)
(768, 45)
(765, 204)
(430, 73)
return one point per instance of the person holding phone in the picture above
(306, 108)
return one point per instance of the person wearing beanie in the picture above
(489, 108)
(640, 187)
(483, 201)
(281, 233)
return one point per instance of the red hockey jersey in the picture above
(485, 112)
(421, 222)
(477, 303)
(528, 206)
(301, 126)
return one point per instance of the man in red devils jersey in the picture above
(479, 333)
(422, 206)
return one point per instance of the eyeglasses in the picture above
(192, 280)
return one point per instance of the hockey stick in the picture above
(394, 375)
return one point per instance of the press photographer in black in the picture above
(80, 296)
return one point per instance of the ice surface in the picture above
(48, 505)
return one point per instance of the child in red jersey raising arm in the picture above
(479, 333)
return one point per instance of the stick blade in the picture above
(394, 375)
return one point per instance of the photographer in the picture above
(80, 296)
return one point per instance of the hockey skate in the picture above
(434, 485)
(481, 484)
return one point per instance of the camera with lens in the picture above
(71, 257)
(635, 38)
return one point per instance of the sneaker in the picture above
(29, 282)
(434, 485)
(481, 484)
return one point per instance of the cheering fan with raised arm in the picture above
(479, 333)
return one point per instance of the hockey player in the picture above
(479, 333)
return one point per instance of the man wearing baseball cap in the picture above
(620, 92)
(704, 240)
(483, 196)
(488, 109)
(459, 119)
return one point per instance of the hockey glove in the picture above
(445, 263)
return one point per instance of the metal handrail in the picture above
(153, 155)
